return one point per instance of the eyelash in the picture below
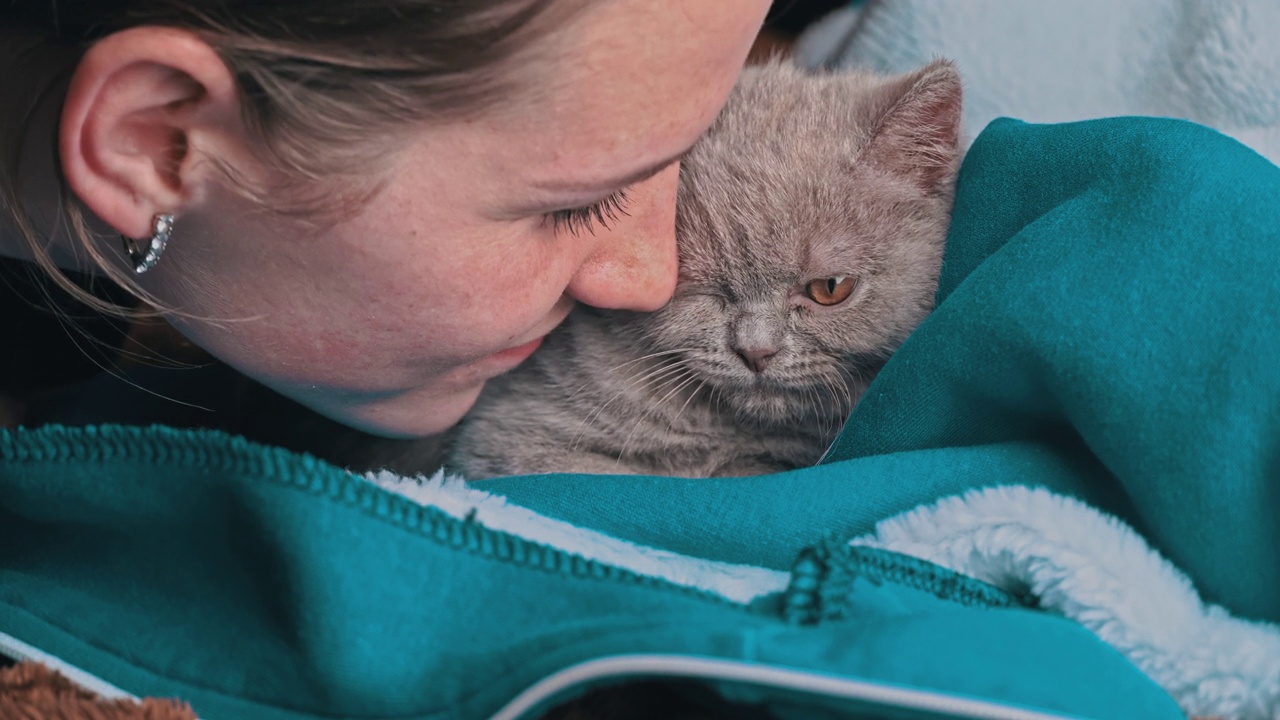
(577, 220)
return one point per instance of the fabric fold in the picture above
(1091, 568)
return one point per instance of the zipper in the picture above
(540, 696)
(653, 666)
(14, 648)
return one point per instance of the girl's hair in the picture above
(326, 88)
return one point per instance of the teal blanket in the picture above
(1115, 301)
(1105, 330)
(1108, 327)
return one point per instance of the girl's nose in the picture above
(632, 265)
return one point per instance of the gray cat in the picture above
(810, 226)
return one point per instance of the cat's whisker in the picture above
(653, 408)
(676, 380)
(663, 363)
(831, 417)
(824, 397)
(690, 378)
(846, 400)
(665, 354)
(686, 379)
(840, 401)
(845, 375)
(717, 398)
(595, 413)
(692, 395)
(842, 393)
(650, 356)
(819, 415)
(702, 383)
(831, 391)
(658, 374)
(658, 382)
(651, 380)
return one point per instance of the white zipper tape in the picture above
(830, 686)
(13, 647)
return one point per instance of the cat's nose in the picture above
(757, 358)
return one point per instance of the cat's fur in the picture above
(802, 177)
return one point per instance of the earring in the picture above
(161, 226)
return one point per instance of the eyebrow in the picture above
(577, 186)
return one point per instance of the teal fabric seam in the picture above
(823, 579)
(211, 449)
(829, 564)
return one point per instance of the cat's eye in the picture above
(830, 291)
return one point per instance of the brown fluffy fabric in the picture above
(29, 691)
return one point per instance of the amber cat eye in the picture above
(830, 291)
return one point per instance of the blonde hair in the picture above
(325, 86)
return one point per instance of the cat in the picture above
(810, 226)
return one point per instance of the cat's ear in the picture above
(919, 134)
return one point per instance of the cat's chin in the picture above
(769, 404)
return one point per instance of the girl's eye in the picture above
(578, 220)
(830, 291)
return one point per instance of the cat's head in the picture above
(810, 224)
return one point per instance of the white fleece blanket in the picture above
(1076, 561)
(1094, 569)
(1215, 62)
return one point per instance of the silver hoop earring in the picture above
(161, 227)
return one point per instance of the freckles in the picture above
(315, 356)
(334, 351)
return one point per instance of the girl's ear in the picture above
(144, 108)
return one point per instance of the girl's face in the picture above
(485, 235)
